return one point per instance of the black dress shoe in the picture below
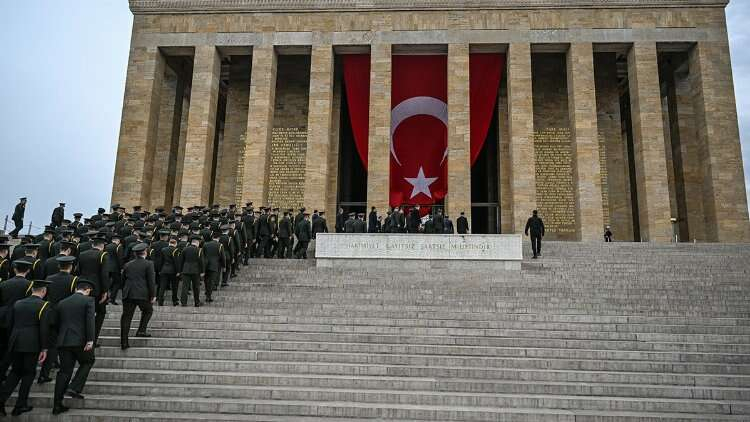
(175, 303)
(18, 411)
(198, 304)
(209, 300)
(142, 334)
(59, 409)
(224, 284)
(124, 346)
(43, 380)
(75, 395)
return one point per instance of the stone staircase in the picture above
(591, 332)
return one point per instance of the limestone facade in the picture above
(643, 148)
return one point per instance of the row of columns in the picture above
(726, 210)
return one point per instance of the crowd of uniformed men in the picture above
(55, 287)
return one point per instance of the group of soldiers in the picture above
(397, 221)
(55, 287)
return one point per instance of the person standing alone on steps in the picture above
(17, 218)
(535, 225)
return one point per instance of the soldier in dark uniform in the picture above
(226, 242)
(429, 225)
(76, 223)
(93, 266)
(304, 234)
(4, 260)
(29, 322)
(264, 231)
(192, 268)
(45, 245)
(62, 284)
(58, 215)
(535, 226)
(319, 225)
(75, 341)
(115, 261)
(359, 224)
(372, 221)
(248, 219)
(168, 272)
(20, 250)
(37, 268)
(340, 220)
(17, 218)
(139, 290)
(439, 222)
(349, 223)
(448, 227)
(52, 264)
(462, 224)
(285, 234)
(215, 263)
(11, 291)
(414, 221)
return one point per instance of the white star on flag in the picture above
(421, 184)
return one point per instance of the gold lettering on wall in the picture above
(287, 167)
(554, 181)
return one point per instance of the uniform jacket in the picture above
(285, 228)
(19, 212)
(168, 260)
(340, 220)
(11, 291)
(29, 321)
(58, 215)
(92, 265)
(63, 285)
(4, 268)
(439, 223)
(75, 321)
(191, 261)
(372, 222)
(319, 226)
(304, 231)
(462, 225)
(214, 256)
(115, 257)
(139, 280)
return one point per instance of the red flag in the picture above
(419, 132)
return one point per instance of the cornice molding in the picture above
(286, 6)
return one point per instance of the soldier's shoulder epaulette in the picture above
(41, 311)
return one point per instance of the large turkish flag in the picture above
(419, 132)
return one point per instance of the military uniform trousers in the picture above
(301, 249)
(283, 247)
(128, 309)
(190, 281)
(101, 314)
(116, 286)
(211, 282)
(23, 369)
(68, 358)
(167, 280)
(52, 354)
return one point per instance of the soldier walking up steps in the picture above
(535, 226)
(17, 218)
(139, 290)
(192, 269)
(75, 342)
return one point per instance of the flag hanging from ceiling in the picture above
(419, 119)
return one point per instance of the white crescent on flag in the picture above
(418, 106)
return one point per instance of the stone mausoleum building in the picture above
(604, 112)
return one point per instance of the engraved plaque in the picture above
(554, 181)
(286, 176)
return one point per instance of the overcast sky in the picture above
(62, 77)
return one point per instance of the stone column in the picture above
(257, 149)
(379, 156)
(725, 199)
(204, 96)
(521, 128)
(235, 127)
(138, 130)
(648, 143)
(585, 141)
(163, 150)
(333, 153)
(319, 120)
(459, 133)
(505, 196)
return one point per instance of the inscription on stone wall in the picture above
(554, 181)
(286, 176)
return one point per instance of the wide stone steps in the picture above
(623, 332)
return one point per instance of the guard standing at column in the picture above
(75, 342)
(139, 290)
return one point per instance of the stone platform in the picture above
(591, 332)
(413, 251)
